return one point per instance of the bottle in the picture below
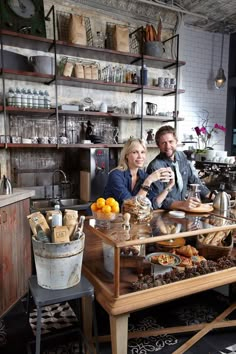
(35, 99)
(144, 75)
(57, 216)
(23, 98)
(10, 97)
(18, 98)
(40, 99)
(29, 98)
(99, 40)
(47, 101)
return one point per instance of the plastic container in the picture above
(58, 265)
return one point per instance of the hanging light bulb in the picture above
(220, 77)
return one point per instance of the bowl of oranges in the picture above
(105, 209)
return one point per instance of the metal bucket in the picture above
(154, 49)
(58, 265)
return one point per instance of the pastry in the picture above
(185, 262)
(187, 251)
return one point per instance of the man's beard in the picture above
(171, 157)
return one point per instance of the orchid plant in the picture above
(205, 133)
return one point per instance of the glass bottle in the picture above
(23, 98)
(47, 101)
(10, 97)
(29, 98)
(41, 99)
(18, 98)
(35, 99)
(99, 40)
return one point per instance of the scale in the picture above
(23, 16)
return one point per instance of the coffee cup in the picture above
(166, 175)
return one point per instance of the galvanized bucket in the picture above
(58, 265)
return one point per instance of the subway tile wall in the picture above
(201, 51)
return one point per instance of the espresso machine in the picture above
(94, 169)
(215, 173)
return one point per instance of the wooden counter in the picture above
(120, 304)
(15, 248)
(17, 195)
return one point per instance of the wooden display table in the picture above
(112, 277)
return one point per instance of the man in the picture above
(185, 173)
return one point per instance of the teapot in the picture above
(222, 199)
(151, 108)
(5, 187)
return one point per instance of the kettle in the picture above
(5, 187)
(222, 199)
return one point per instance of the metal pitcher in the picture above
(5, 187)
(222, 199)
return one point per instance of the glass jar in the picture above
(139, 208)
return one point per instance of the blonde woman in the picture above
(129, 178)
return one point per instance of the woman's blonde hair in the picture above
(128, 147)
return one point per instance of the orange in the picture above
(100, 203)
(106, 209)
(110, 201)
(94, 207)
(115, 208)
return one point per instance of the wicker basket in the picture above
(215, 252)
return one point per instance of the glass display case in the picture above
(119, 258)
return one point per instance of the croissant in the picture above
(187, 251)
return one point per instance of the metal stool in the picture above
(43, 297)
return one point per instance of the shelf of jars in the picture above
(39, 43)
(109, 55)
(60, 146)
(110, 86)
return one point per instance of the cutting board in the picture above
(202, 208)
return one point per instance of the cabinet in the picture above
(63, 48)
(15, 253)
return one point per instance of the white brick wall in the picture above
(201, 51)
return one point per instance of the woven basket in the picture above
(215, 252)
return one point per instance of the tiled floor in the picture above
(191, 310)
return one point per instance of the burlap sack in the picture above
(121, 38)
(77, 30)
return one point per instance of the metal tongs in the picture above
(79, 228)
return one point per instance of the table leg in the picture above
(87, 317)
(119, 333)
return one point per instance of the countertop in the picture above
(17, 195)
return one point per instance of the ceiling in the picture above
(217, 14)
(209, 15)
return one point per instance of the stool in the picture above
(43, 297)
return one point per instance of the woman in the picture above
(129, 179)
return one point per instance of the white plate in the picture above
(177, 214)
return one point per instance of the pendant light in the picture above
(220, 77)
